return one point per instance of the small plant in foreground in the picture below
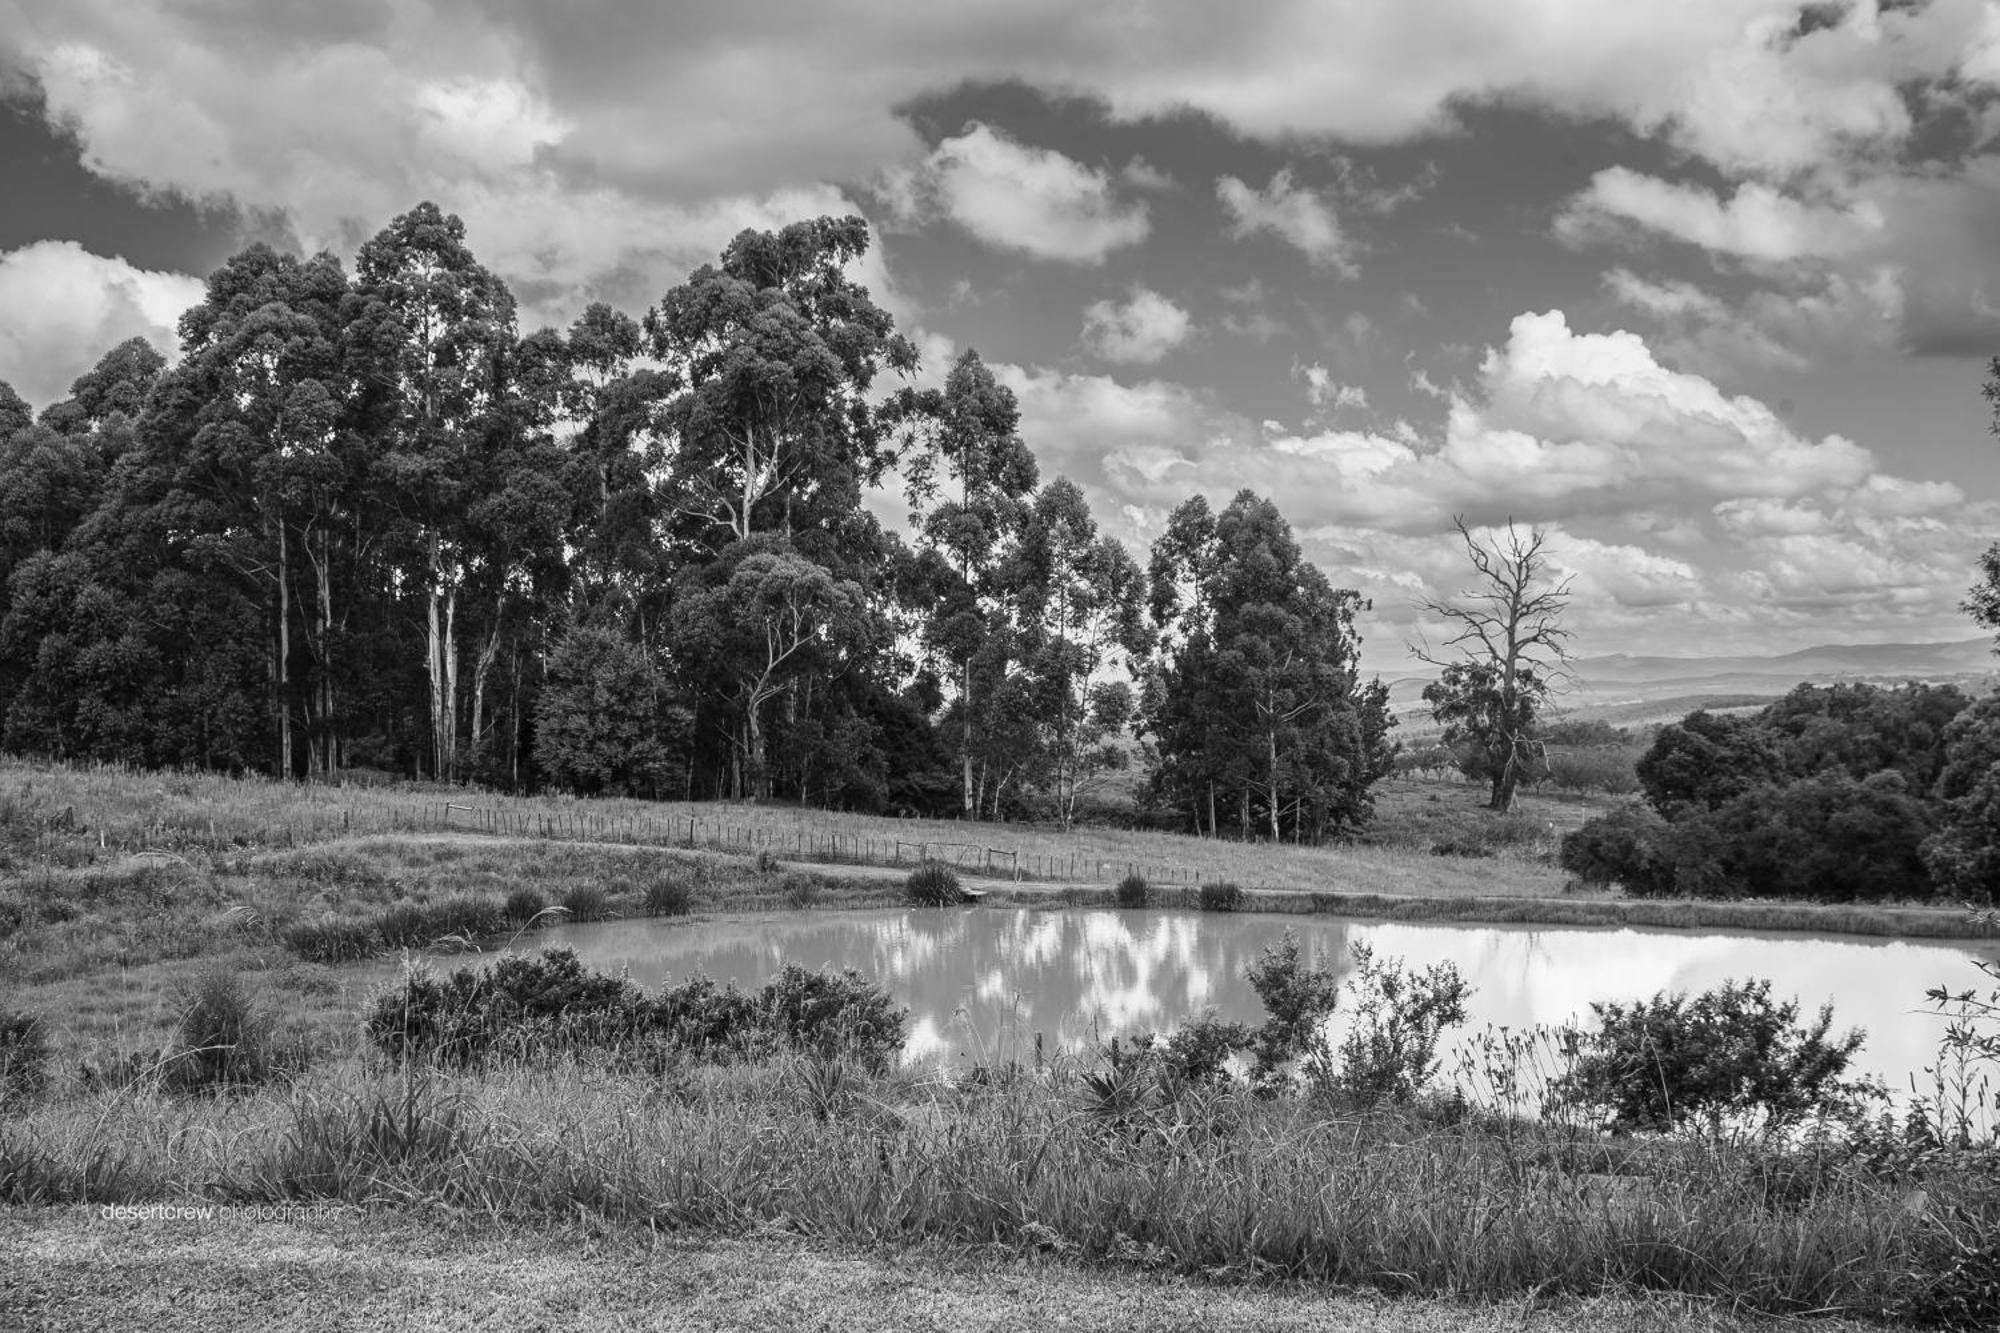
(1222, 896)
(224, 1038)
(1298, 999)
(1199, 1051)
(1132, 891)
(586, 902)
(1726, 1055)
(1389, 1051)
(933, 884)
(669, 895)
(24, 1055)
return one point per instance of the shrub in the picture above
(586, 902)
(333, 940)
(1729, 1053)
(1389, 1051)
(800, 890)
(224, 1037)
(833, 1013)
(1199, 1052)
(1297, 999)
(522, 906)
(669, 895)
(1222, 896)
(767, 862)
(404, 926)
(1609, 769)
(24, 1055)
(1132, 891)
(933, 884)
(467, 919)
(1623, 847)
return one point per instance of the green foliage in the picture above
(24, 1055)
(1703, 762)
(525, 1009)
(1132, 891)
(1222, 896)
(669, 894)
(1624, 847)
(225, 1037)
(1389, 1050)
(333, 940)
(604, 723)
(933, 884)
(1199, 1051)
(799, 890)
(1298, 999)
(586, 902)
(1255, 704)
(1727, 1055)
(522, 906)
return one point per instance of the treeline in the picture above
(364, 522)
(1844, 792)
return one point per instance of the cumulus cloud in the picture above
(1019, 197)
(1291, 212)
(67, 307)
(1756, 222)
(1141, 331)
(1325, 393)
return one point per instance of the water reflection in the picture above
(981, 983)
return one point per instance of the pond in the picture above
(980, 983)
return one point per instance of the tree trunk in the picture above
(284, 657)
(965, 708)
(441, 727)
(1271, 744)
(480, 671)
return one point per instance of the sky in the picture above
(1704, 290)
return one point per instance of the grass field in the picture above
(1034, 1206)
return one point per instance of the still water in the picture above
(981, 982)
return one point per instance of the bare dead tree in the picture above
(1508, 653)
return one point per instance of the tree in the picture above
(1254, 702)
(968, 431)
(1512, 650)
(1705, 761)
(604, 722)
(429, 330)
(1081, 602)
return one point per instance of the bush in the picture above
(1297, 999)
(527, 1009)
(333, 940)
(1727, 1054)
(1389, 1051)
(586, 902)
(1609, 769)
(1222, 896)
(1132, 891)
(405, 926)
(800, 891)
(224, 1037)
(833, 1013)
(466, 919)
(24, 1055)
(1623, 847)
(1199, 1052)
(933, 884)
(669, 895)
(522, 906)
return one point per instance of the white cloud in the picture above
(1756, 222)
(1023, 198)
(1324, 392)
(1291, 212)
(1141, 331)
(67, 307)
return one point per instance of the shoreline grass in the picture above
(1215, 1182)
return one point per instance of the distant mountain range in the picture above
(1634, 691)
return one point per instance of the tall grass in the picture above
(1207, 1179)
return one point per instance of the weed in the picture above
(1222, 896)
(24, 1055)
(522, 906)
(933, 884)
(225, 1037)
(1132, 891)
(586, 902)
(669, 895)
(800, 891)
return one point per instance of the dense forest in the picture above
(363, 522)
